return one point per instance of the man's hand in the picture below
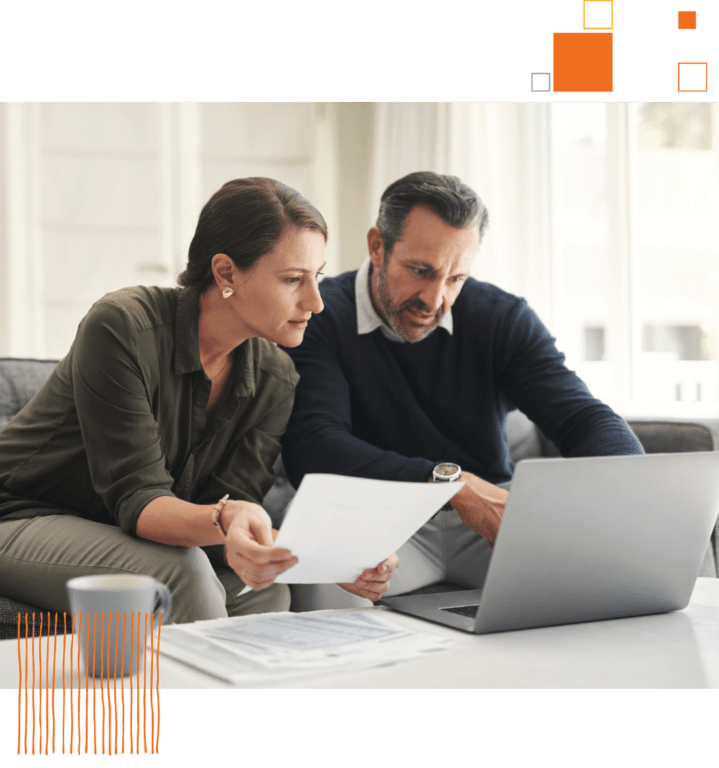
(249, 547)
(374, 582)
(480, 505)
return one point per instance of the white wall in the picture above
(94, 197)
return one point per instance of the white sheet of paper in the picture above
(339, 526)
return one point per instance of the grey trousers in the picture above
(38, 555)
(444, 549)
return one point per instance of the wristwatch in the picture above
(446, 472)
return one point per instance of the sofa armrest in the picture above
(19, 382)
(657, 435)
(676, 435)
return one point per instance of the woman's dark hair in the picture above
(245, 219)
(452, 200)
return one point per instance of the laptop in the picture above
(588, 539)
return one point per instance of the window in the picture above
(635, 232)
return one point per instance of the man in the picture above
(413, 363)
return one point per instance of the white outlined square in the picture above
(540, 81)
(598, 14)
(693, 76)
(540, 90)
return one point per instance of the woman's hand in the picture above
(374, 582)
(249, 546)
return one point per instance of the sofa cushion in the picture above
(9, 610)
(19, 381)
(525, 440)
(676, 435)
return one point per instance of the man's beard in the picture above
(396, 317)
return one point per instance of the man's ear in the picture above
(375, 247)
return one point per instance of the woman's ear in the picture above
(223, 269)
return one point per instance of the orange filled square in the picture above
(687, 19)
(582, 61)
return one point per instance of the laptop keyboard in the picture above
(464, 610)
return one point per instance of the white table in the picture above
(673, 650)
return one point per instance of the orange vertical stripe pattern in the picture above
(28, 712)
(26, 633)
(64, 638)
(19, 688)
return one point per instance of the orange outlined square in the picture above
(598, 14)
(582, 61)
(687, 19)
(679, 77)
(584, 16)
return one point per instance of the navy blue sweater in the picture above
(370, 407)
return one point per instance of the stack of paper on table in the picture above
(263, 647)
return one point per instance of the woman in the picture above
(169, 400)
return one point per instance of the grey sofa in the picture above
(20, 380)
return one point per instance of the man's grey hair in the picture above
(453, 201)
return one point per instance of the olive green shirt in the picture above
(122, 420)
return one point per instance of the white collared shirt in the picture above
(367, 318)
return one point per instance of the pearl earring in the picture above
(227, 292)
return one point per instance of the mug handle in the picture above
(163, 594)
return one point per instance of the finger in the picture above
(259, 571)
(285, 565)
(261, 529)
(252, 575)
(257, 578)
(377, 574)
(374, 577)
(256, 585)
(245, 547)
(263, 585)
(354, 589)
(387, 565)
(372, 591)
(392, 561)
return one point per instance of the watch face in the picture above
(446, 470)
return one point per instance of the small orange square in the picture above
(705, 64)
(584, 16)
(582, 61)
(687, 19)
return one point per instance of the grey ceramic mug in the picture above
(117, 611)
